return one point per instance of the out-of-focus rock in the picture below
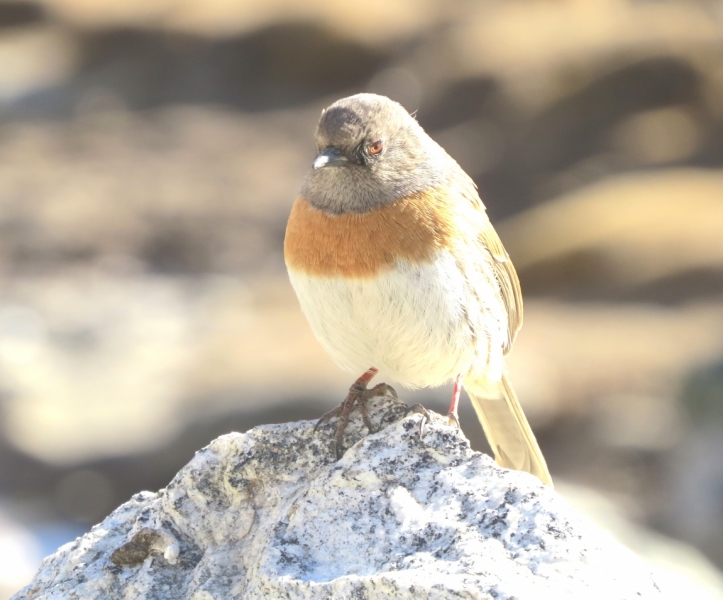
(658, 136)
(180, 190)
(33, 58)
(680, 569)
(694, 478)
(581, 354)
(625, 236)
(537, 50)
(269, 513)
(375, 20)
(147, 347)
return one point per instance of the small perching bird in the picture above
(397, 267)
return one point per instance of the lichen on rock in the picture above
(270, 514)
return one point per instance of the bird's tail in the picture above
(507, 430)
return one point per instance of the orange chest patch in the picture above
(361, 245)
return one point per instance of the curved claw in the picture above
(328, 416)
(381, 389)
(453, 420)
(420, 410)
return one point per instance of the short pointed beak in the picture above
(330, 157)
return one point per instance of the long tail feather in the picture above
(508, 432)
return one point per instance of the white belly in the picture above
(421, 325)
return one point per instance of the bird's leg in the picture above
(452, 415)
(358, 394)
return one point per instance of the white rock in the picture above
(271, 514)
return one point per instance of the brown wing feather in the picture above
(502, 265)
(507, 278)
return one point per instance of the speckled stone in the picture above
(270, 514)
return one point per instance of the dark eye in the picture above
(376, 148)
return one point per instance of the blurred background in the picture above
(150, 151)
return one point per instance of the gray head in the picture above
(371, 153)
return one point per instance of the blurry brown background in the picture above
(149, 154)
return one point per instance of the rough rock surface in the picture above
(270, 514)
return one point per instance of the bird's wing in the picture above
(507, 277)
(502, 265)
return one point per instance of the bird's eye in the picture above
(376, 148)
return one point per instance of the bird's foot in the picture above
(359, 395)
(420, 410)
(453, 420)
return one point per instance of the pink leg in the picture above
(452, 414)
(366, 378)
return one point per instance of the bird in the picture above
(397, 267)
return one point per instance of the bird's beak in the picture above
(330, 157)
